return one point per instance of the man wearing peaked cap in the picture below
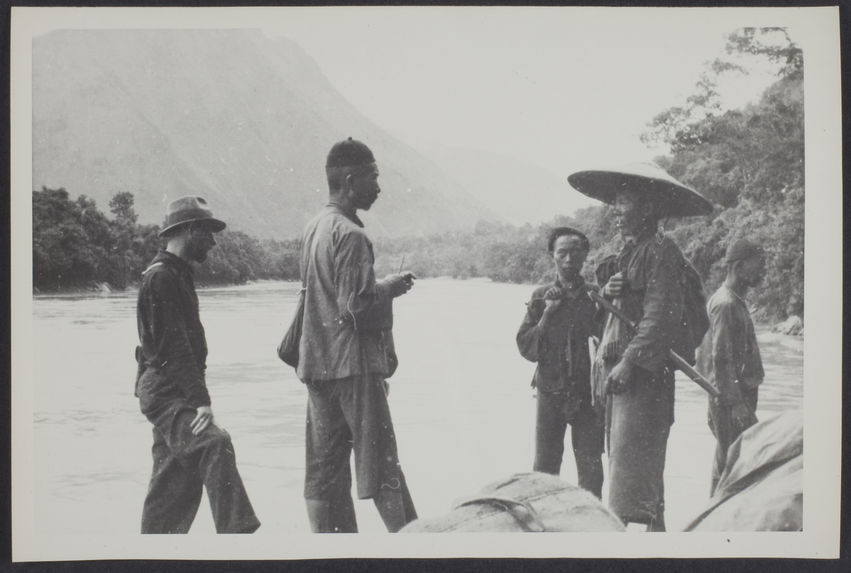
(729, 355)
(346, 353)
(190, 451)
(645, 280)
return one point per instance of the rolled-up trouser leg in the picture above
(328, 476)
(395, 506)
(379, 474)
(343, 519)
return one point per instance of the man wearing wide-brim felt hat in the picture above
(186, 210)
(645, 281)
(190, 451)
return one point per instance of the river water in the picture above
(461, 403)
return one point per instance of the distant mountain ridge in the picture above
(233, 115)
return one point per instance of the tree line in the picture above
(76, 246)
(748, 162)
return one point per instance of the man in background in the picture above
(729, 356)
(346, 354)
(190, 451)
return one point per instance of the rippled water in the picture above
(461, 403)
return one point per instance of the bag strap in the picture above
(522, 512)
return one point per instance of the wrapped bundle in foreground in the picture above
(761, 488)
(524, 502)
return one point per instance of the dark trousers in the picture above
(586, 436)
(726, 431)
(183, 465)
(351, 414)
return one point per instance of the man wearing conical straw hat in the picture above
(645, 280)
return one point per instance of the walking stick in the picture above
(678, 360)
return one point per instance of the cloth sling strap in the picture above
(288, 349)
(522, 512)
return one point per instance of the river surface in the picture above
(461, 404)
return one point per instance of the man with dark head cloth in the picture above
(560, 317)
(346, 354)
(190, 450)
(729, 355)
(644, 281)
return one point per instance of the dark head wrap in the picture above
(561, 231)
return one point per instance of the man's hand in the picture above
(620, 378)
(742, 416)
(399, 283)
(203, 418)
(552, 298)
(614, 288)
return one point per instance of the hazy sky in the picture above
(565, 88)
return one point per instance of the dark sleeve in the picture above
(724, 360)
(662, 309)
(530, 337)
(365, 302)
(171, 338)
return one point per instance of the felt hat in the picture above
(647, 180)
(349, 153)
(189, 209)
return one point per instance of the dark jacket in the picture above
(172, 341)
(560, 347)
(653, 299)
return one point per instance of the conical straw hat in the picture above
(647, 180)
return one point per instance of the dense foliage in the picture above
(76, 246)
(748, 162)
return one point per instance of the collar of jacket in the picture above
(337, 208)
(578, 289)
(172, 259)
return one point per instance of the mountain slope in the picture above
(244, 120)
